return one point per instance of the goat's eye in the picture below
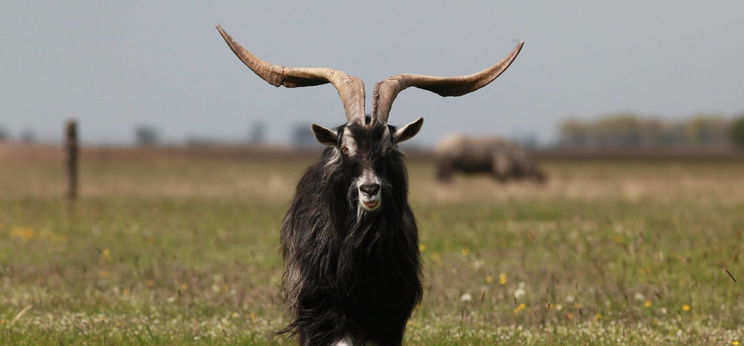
(345, 150)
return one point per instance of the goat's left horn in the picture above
(387, 90)
(350, 88)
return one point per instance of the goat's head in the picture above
(364, 144)
(367, 156)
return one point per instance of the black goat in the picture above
(349, 239)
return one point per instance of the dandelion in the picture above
(520, 307)
(597, 316)
(648, 303)
(686, 307)
(503, 279)
(465, 251)
(422, 247)
(735, 342)
(489, 279)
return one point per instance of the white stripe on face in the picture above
(348, 142)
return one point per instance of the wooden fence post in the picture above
(71, 145)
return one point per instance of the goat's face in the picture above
(363, 153)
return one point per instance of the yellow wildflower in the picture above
(686, 307)
(422, 247)
(23, 233)
(648, 303)
(503, 279)
(735, 342)
(105, 255)
(465, 251)
(184, 287)
(597, 316)
(489, 279)
(520, 307)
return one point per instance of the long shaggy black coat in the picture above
(349, 273)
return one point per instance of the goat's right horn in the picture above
(350, 88)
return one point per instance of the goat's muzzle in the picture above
(369, 196)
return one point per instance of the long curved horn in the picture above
(350, 88)
(387, 90)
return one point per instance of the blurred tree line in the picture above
(631, 131)
(26, 137)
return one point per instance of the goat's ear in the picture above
(407, 132)
(325, 136)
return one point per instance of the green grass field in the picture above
(185, 250)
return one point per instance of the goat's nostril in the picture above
(370, 189)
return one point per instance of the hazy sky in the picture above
(116, 64)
